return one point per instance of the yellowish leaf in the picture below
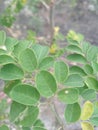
(86, 126)
(87, 110)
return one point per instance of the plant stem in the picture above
(53, 108)
(51, 17)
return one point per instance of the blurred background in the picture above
(78, 15)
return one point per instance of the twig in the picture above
(53, 108)
(52, 6)
(44, 4)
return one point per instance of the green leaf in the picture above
(26, 128)
(95, 113)
(88, 69)
(8, 87)
(11, 72)
(25, 94)
(74, 80)
(68, 95)
(38, 123)
(2, 51)
(92, 83)
(86, 126)
(95, 66)
(77, 70)
(2, 37)
(61, 71)
(6, 59)
(89, 94)
(28, 60)
(87, 111)
(40, 51)
(92, 53)
(4, 127)
(39, 128)
(46, 63)
(77, 58)
(72, 112)
(10, 43)
(46, 83)
(21, 46)
(74, 48)
(94, 121)
(85, 47)
(15, 110)
(30, 116)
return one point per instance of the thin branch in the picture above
(53, 108)
(44, 4)
(52, 6)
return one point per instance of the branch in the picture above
(44, 4)
(52, 6)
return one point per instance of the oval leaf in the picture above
(77, 70)
(6, 59)
(88, 69)
(89, 94)
(61, 71)
(72, 112)
(21, 46)
(92, 53)
(74, 80)
(87, 110)
(15, 110)
(68, 95)
(11, 72)
(77, 58)
(40, 51)
(87, 126)
(4, 127)
(46, 83)
(28, 60)
(74, 48)
(10, 43)
(46, 63)
(30, 116)
(8, 87)
(25, 94)
(92, 83)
